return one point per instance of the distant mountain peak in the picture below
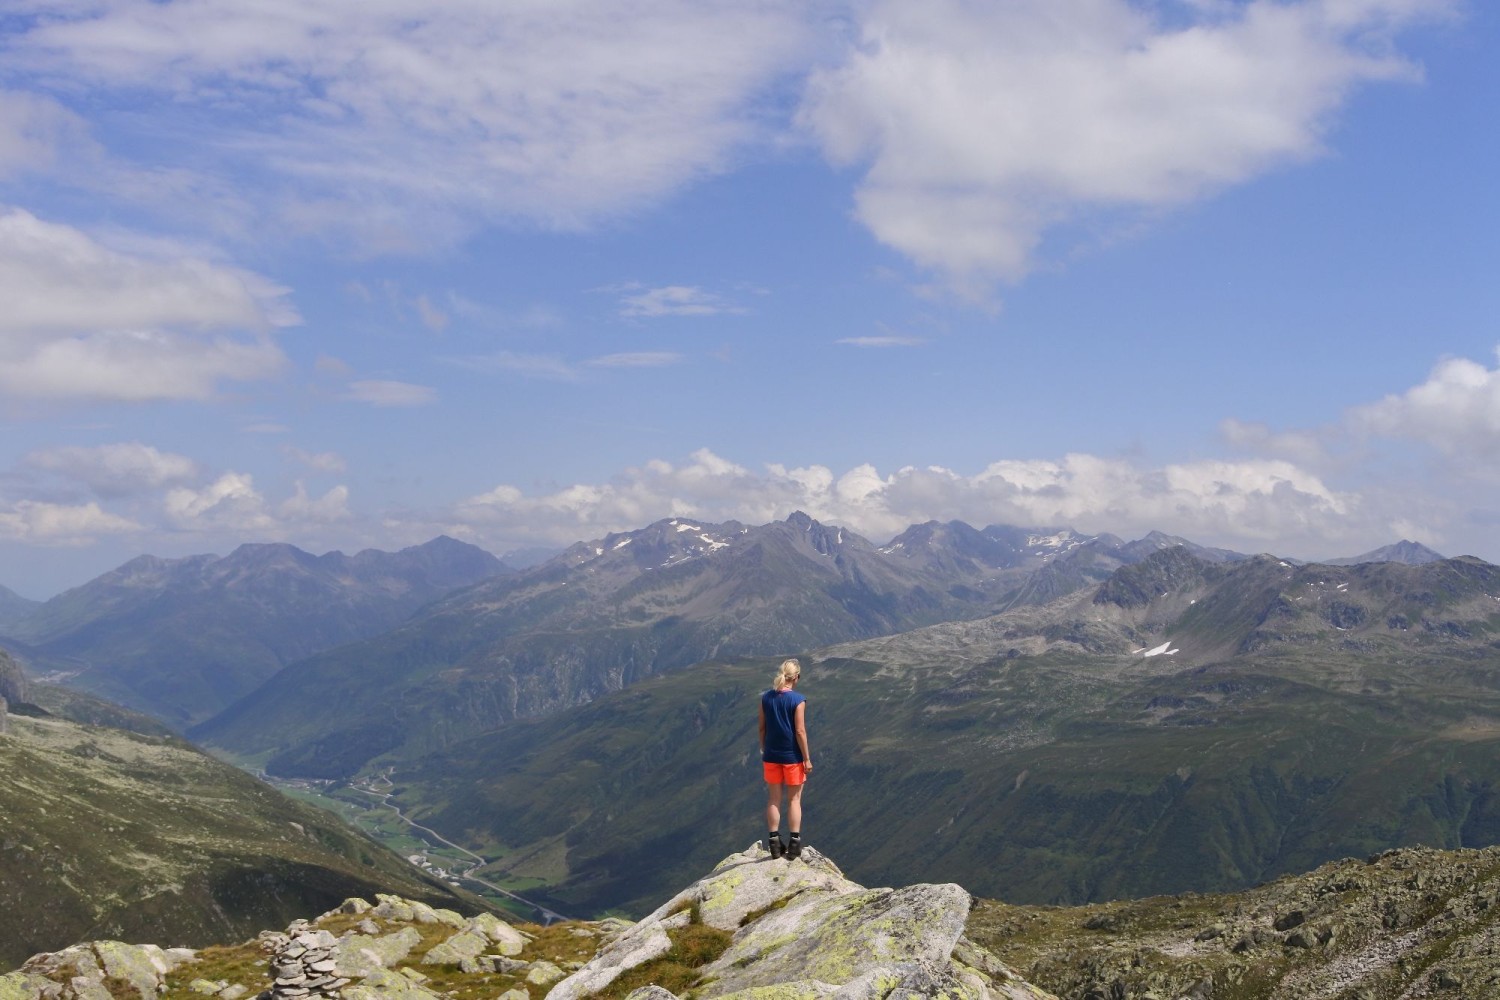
(1406, 552)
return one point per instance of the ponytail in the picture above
(789, 674)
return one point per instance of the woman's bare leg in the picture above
(794, 809)
(773, 807)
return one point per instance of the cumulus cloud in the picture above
(984, 126)
(675, 300)
(1252, 504)
(1456, 410)
(85, 321)
(60, 524)
(116, 470)
(231, 505)
(382, 393)
(559, 112)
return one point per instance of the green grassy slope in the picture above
(109, 834)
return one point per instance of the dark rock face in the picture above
(13, 685)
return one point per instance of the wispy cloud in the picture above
(636, 359)
(545, 366)
(83, 320)
(115, 470)
(559, 113)
(675, 300)
(319, 461)
(889, 340)
(378, 392)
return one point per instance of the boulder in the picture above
(508, 941)
(802, 931)
(383, 984)
(466, 945)
(543, 973)
(23, 986)
(357, 954)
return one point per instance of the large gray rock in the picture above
(382, 984)
(357, 954)
(839, 938)
(456, 948)
(802, 931)
(508, 941)
(80, 971)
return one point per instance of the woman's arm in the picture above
(801, 725)
(762, 730)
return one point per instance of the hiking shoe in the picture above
(794, 849)
(777, 848)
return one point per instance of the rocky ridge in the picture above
(754, 927)
(1400, 925)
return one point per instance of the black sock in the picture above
(796, 835)
(771, 836)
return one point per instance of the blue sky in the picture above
(355, 275)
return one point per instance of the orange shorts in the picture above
(784, 774)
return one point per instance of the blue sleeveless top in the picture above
(780, 708)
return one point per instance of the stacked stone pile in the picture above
(302, 963)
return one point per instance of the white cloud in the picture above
(232, 507)
(636, 359)
(303, 510)
(34, 132)
(1456, 410)
(116, 470)
(1306, 448)
(675, 300)
(1249, 504)
(558, 112)
(985, 125)
(883, 341)
(547, 366)
(378, 392)
(85, 321)
(321, 461)
(60, 524)
(432, 317)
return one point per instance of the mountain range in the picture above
(1184, 725)
(608, 613)
(181, 639)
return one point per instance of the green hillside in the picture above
(109, 834)
(1289, 716)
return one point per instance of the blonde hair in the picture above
(789, 674)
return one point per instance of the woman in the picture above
(785, 759)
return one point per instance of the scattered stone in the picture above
(543, 973)
(382, 984)
(466, 944)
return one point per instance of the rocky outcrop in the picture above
(98, 970)
(13, 684)
(801, 929)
